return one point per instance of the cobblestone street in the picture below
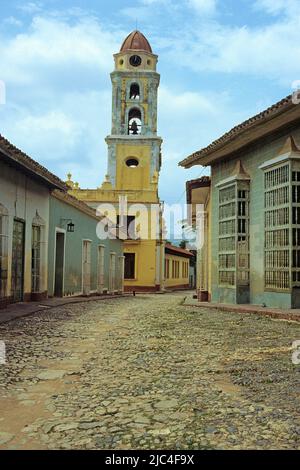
(148, 373)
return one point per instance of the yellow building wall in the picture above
(146, 227)
(145, 263)
(133, 178)
(182, 280)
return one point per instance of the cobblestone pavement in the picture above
(148, 373)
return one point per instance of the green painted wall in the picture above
(251, 160)
(85, 228)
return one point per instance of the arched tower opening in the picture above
(134, 93)
(134, 121)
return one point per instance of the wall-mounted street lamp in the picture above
(70, 225)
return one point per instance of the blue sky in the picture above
(220, 62)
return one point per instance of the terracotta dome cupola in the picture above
(136, 41)
(135, 54)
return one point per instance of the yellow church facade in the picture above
(129, 194)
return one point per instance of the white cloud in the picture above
(31, 7)
(267, 51)
(186, 104)
(64, 136)
(148, 10)
(153, 7)
(203, 6)
(54, 121)
(52, 42)
(151, 2)
(275, 7)
(12, 21)
(59, 94)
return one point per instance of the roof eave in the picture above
(250, 133)
(34, 174)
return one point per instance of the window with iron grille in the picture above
(234, 234)
(3, 250)
(277, 227)
(243, 261)
(36, 259)
(227, 235)
(296, 227)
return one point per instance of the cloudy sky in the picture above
(221, 61)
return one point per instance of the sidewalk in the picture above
(24, 309)
(288, 314)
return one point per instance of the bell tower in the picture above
(134, 162)
(134, 149)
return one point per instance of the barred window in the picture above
(295, 228)
(277, 227)
(36, 259)
(227, 277)
(3, 250)
(243, 261)
(227, 235)
(277, 177)
(234, 234)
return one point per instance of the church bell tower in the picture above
(134, 162)
(134, 149)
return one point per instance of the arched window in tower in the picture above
(134, 121)
(134, 91)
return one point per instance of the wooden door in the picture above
(59, 265)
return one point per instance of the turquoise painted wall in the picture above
(251, 160)
(85, 228)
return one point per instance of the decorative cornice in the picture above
(134, 140)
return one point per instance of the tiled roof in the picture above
(178, 250)
(268, 113)
(203, 181)
(19, 159)
(136, 41)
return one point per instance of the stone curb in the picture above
(265, 313)
(46, 307)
